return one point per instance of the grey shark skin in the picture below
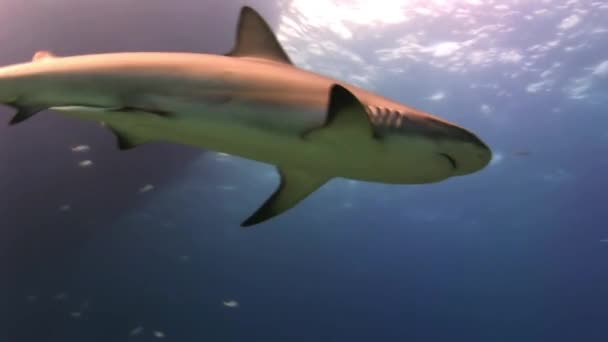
(253, 103)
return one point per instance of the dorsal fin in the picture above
(254, 38)
(42, 55)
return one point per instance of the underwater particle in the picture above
(31, 298)
(347, 205)
(227, 187)
(76, 314)
(168, 224)
(231, 304)
(85, 163)
(485, 109)
(159, 334)
(522, 153)
(81, 148)
(222, 156)
(438, 96)
(137, 330)
(184, 258)
(61, 296)
(65, 207)
(496, 158)
(352, 183)
(146, 188)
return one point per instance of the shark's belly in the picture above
(273, 135)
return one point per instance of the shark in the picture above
(251, 102)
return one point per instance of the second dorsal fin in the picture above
(254, 38)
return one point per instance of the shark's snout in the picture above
(460, 148)
(466, 152)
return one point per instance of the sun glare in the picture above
(341, 16)
(335, 14)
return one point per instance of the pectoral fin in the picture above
(295, 186)
(24, 113)
(346, 120)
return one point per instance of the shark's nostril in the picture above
(450, 159)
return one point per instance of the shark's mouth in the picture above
(450, 159)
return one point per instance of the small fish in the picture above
(61, 296)
(65, 207)
(137, 330)
(81, 148)
(159, 334)
(231, 304)
(522, 153)
(85, 163)
(146, 188)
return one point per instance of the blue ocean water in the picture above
(145, 245)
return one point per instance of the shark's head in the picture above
(430, 149)
(468, 153)
(463, 151)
